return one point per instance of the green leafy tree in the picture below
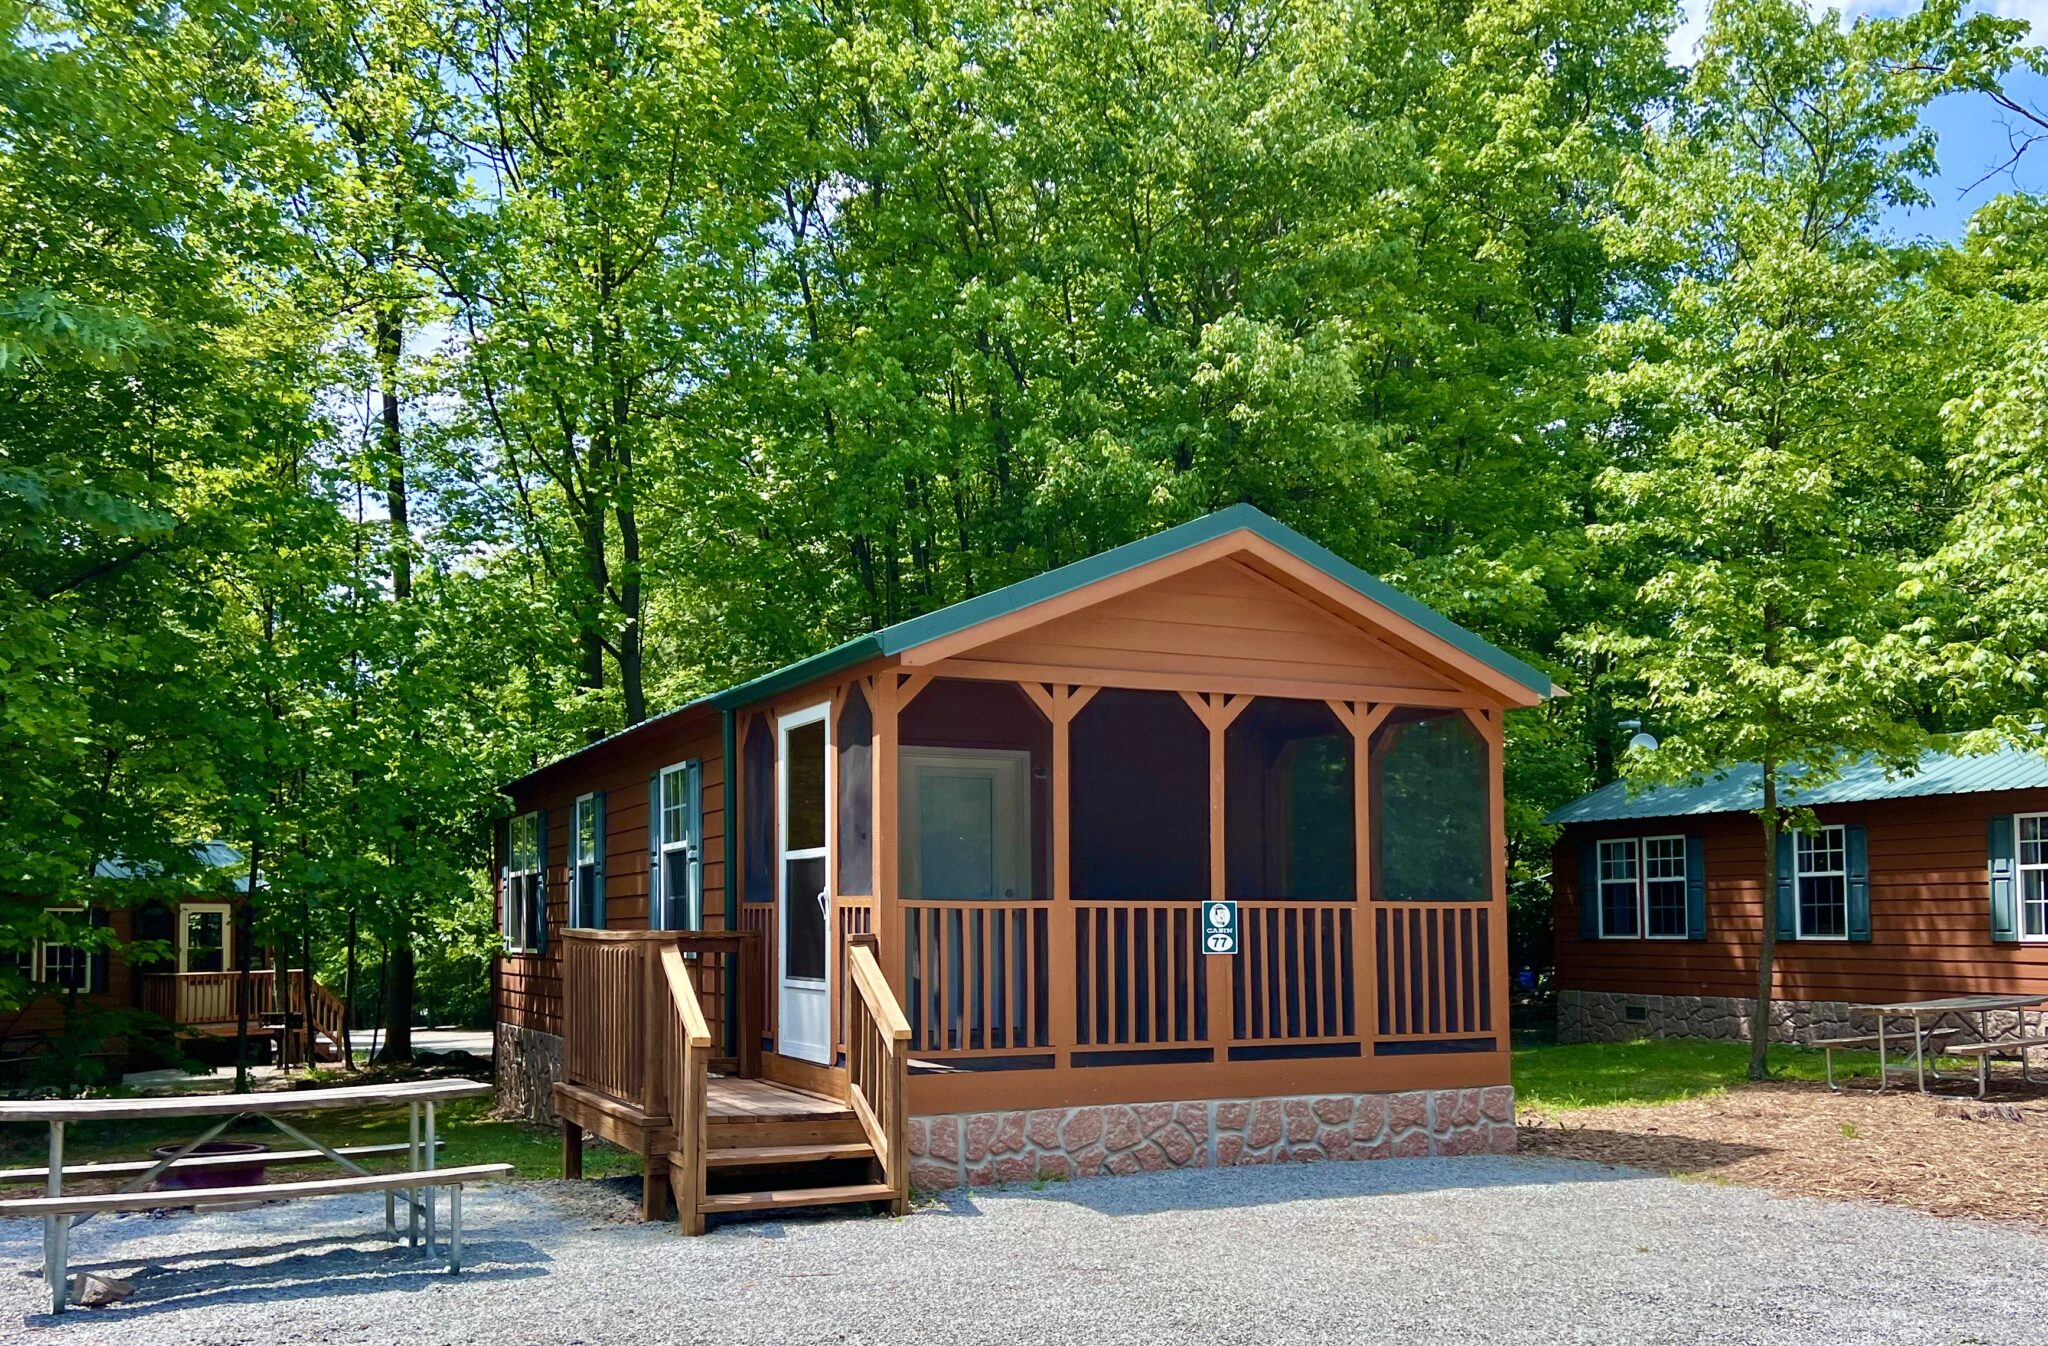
(1787, 378)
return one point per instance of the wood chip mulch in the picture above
(1945, 1155)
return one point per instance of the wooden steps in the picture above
(796, 1197)
(744, 1156)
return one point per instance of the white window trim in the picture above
(1601, 885)
(578, 899)
(516, 942)
(2020, 869)
(1684, 884)
(39, 957)
(664, 845)
(1798, 908)
(227, 933)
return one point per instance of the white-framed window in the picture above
(1641, 885)
(1619, 876)
(206, 937)
(1820, 883)
(58, 963)
(678, 896)
(1664, 882)
(525, 898)
(586, 862)
(2031, 829)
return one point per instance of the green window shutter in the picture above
(1695, 887)
(657, 918)
(597, 866)
(1788, 911)
(502, 845)
(2003, 847)
(96, 966)
(1589, 890)
(537, 914)
(1858, 839)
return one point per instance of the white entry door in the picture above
(803, 898)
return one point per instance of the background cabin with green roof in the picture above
(936, 906)
(1913, 885)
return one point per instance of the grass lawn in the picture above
(469, 1136)
(1559, 1077)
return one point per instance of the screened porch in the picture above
(1035, 860)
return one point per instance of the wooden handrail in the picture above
(878, 1065)
(688, 1042)
(697, 1033)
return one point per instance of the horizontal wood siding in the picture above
(1219, 620)
(1930, 923)
(45, 1015)
(529, 989)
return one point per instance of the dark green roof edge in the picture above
(1065, 579)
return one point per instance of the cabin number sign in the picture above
(1219, 927)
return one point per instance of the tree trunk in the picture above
(348, 997)
(399, 979)
(1767, 949)
(242, 941)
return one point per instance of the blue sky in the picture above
(1976, 134)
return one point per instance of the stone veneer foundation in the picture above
(981, 1148)
(1615, 1016)
(528, 1064)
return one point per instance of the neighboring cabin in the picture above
(194, 986)
(1025, 801)
(1913, 886)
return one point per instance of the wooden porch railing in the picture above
(990, 979)
(615, 1008)
(878, 1065)
(686, 1042)
(210, 999)
(1435, 969)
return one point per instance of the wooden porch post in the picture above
(1060, 703)
(1216, 710)
(888, 899)
(1362, 718)
(1493, 731)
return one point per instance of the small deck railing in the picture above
(878, 1065)
(685, 1039)
(616, 1008)
(216, 999)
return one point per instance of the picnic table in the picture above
(1923, 1036)
(417, 1183)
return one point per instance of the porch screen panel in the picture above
(1290, 808)
(757, 858)
(1430, 804)
(1139, 822)
(856, 815)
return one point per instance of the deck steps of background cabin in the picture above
(770, 1147)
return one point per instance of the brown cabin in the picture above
(1187, 854)
(198, 987)
(1911, 886)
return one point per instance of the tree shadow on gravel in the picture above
(279, 1272)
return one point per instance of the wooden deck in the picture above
(732, 1099)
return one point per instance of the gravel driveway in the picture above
(1483, 1249)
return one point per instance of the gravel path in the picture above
(1480, 1250)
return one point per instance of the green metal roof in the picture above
(1065, 579)
(1740, 790)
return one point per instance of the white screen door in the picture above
(803, 1019)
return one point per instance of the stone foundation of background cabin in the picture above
(983, 1148)
(528, 1064)
(1616, 1016)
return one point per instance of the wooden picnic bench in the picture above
(1932, 1037)
(2013, 1048)
(419, 1180)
